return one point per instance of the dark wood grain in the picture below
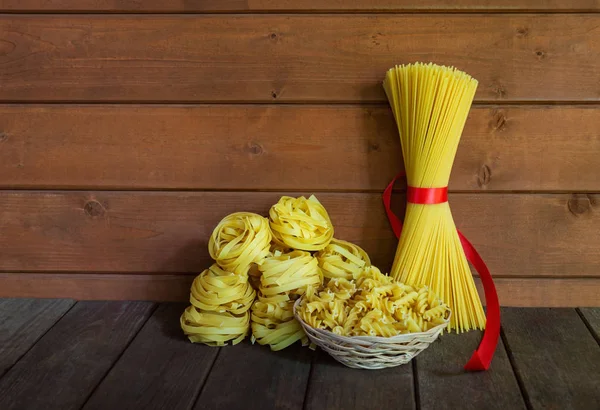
(560, 292)
(160, 369)
(444, 384)
(65, 365)
(335, 386)
(556, 357)
(236, 6)
(341, 58)
(253, 377)
(592, 317)
(276, 147)
(23, 322)
(517, 235)
(160, 287)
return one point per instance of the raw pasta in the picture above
(289, 273)
(239, 240)
(284, 277)
(222, 295)
(430, 105)
(372, 305)
(300, 223)
(273, 322)
(214, 329)
(221, 291)
(220, 301)
(341, 259)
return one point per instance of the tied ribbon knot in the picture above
(482, 357)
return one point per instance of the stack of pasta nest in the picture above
(262, 265)
(287, 279)
(222, 295)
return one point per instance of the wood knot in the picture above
(273, 94)
(94, 209)
(484, 176)
(579, 204)
(522, 32)
(540, 54)
(499, 90)
(254, 149)
(375, 39)
(374, 146)
(498, 122)
(3, 136)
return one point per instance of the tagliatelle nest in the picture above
(300, 223)
(289, 273)
(284, 277)
(213, 328)
(341, 259)
(273, 322)
(239, 240)
(221, 291)
(219, 311)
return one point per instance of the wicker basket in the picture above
(366, 352)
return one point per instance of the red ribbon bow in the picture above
(482, 357)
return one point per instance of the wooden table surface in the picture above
(62, 354)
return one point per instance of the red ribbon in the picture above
(426, 195)
(482, 357)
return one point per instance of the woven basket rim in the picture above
(369, 339)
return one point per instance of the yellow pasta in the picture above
(289, 273)
(222, 295)
(430, 104)
(341, 259)
(273, 323)
(220, 302)
(284, 277)
(221, 291)
(372, 304)
(239, 240)
(300, 223)
(213, 328)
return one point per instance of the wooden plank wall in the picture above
(128, 129)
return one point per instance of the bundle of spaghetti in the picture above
(341, 259)
(239, 240)
(219, 311)
(430, 105)
(285, 276)
(300, 223)
(372, 304)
